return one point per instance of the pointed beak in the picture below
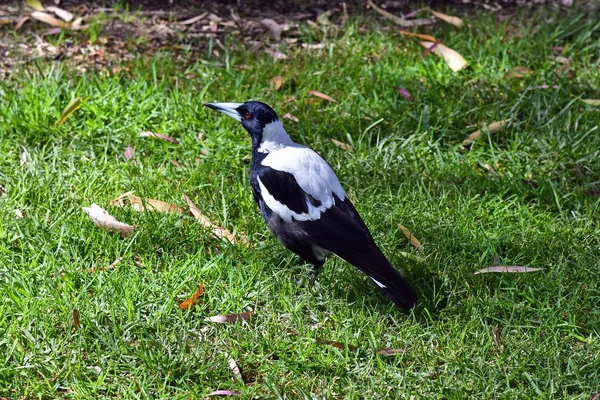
(227, 108)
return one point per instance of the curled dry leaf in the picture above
(102, 219)
(341, 145)
(194, 299)
(413, 240)
(518, 72)
(129, 153)
(420, 36)
(321, 95)
(455, 61)
(405, 93)
(76, 322)
(277, 55)
(193, 19)
(139, 204)
(389, 352)
(338, 345)
(229, 319)
(20, 22)
(504, 269)
(399, 20)
(60, 13)
(290, 117)
(223, 393)
(73, 106)
(457, 22)
(591, 102)
(204, 221)
(48, 19)
(159, 136)
(491, 128)
(276, 82)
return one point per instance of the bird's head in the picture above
(257, 118)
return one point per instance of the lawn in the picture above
(525, 195)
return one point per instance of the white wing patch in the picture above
(313, 175)
(381, 285)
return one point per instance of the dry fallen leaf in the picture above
(277, 55)
(503, 268)
(129, 153)
(63, 14)
(591, 102)
(229, 319)
(321, 95)
(73, 106)
(490, 169)
(405, 93)
(290, 117)
(23, 156)
(20, 22)
(491, 128)
(457, 22)
(193, 19)
(274, 27)
(518, 72)
(314, 46)
(341, 145)
(276, 82)
(420, 36)
(175, 163)
(235, 370)
(76, 323)
(413, 240)
(48, 19)
(139, 204)
(338, 345)
(399, 20)
(19, 213)
(204, 221)
(111, 266)
(159, 136)
(389, 352)
(497, 332)
(35, 4)
(102, 219)
(192, 300)
(455, 61)
(223, 393)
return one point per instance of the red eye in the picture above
(248, 116)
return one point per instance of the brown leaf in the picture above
(389, 352)
(455, 61)
(491, 128)
(192, 300)
(503, 269)
(229, 319)
(276, 82)
(48, 19)
(129, 153)
(321, 95)
(562, 60)
(339, 345)
(497, 332)
(223, 393)
(341, 145)
(405, 93)
(457, 22)
(420, 36)
(290, 117)
(111, 266)
(35, 4)
(139, 204)
(274, 27)
(175, 163)
(159, 136)
(194, 19)
(399, 20)
(102, 219)
(591, 102)
(73, 106)
(412, 239)
(60, 13)
(277, 55)
(518, 72)
(20, 22)
(76, 323)
(204, 221)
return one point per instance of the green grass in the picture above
(407, 167)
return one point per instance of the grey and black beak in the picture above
(227, 108)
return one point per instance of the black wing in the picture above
(341, 231)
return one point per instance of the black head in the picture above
(254, 115)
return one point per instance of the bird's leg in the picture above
(317, 268)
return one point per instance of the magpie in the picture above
(304, 205)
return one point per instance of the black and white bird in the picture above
(304, 204)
